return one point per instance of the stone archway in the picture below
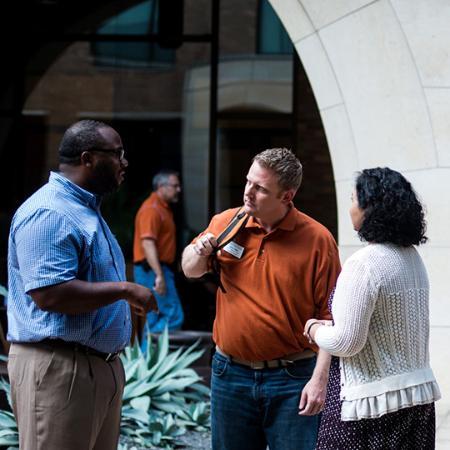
(380, 72)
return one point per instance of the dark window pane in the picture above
(272, 37)
(141, 19)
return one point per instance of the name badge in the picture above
(234, 249)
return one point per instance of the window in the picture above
(140, 20)
(272, 37)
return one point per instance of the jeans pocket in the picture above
(219, 365)
(300, 370)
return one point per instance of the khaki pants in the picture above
(64, 399)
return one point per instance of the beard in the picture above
(105, 179)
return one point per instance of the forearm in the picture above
(353, 304)
(313, 394)
(152, 256)
(337, 341)
(193, 264)
(322, 366)
(78, 297)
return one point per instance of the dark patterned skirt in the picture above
(407, 429)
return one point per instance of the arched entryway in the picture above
(380, 73)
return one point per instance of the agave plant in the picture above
(162, 395)
(197, 415)
(9, 434)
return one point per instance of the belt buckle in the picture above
(110, 357)
(286, 362)
(276, 363)
(257, 365)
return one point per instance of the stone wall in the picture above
(380, 72)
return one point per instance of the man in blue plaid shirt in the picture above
(69, 302)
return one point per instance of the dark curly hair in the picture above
(392, 212)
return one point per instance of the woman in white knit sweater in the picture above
(382, 390)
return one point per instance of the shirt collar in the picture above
(156, 198)
(82, 195)
(288, 222)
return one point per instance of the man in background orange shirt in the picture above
(154, 250)
(268, 382)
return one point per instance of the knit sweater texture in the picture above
(381, 332)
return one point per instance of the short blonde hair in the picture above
(284, 164)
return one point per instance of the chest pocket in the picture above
(103, 267)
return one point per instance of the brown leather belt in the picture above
(272, 363)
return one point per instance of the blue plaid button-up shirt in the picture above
(58, 235)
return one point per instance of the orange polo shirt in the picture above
(154, 220)
(282, 279)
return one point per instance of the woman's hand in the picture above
(311, 327)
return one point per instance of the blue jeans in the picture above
(251, 409)
(170, 309)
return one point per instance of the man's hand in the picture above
(313, 396)
(194, 261)
(205, 245)
(314, 392)
(160, 285)
(140, 299)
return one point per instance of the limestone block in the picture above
(439, 107)
(437, 263)
(320, 73)
(323, 12)
(340, 142)
(425, 24)
(433, 188)
(295, 21)
(381, 89)
(439, 339)
(347, 235)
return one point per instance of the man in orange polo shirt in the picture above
(268, 382)
(154, 251)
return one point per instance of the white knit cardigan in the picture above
(381, 332)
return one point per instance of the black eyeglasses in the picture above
(117, 152)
